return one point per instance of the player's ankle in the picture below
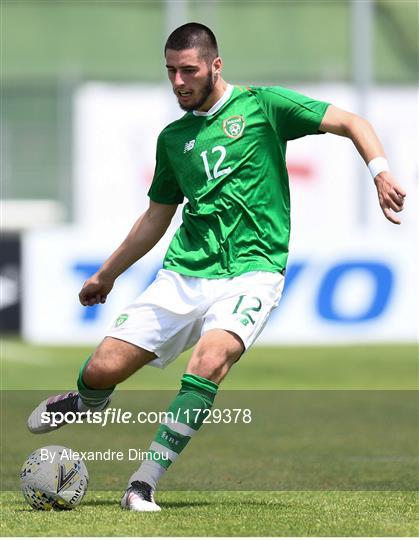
(89, 406)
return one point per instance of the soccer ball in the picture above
(51, 479)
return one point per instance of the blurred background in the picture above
(84, 96)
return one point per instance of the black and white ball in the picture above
(52, 480)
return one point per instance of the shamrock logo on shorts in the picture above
(121, 319)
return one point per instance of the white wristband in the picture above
(378, 165)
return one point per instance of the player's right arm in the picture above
(144, 235)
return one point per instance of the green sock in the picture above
(91, 398)
(188, 409)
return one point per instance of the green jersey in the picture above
(230, 165)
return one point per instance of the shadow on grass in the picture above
(115, 502)
(214, 503)
(165, 505)
(185, 504)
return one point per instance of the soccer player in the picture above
(223, 273)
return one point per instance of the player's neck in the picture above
(218, 92)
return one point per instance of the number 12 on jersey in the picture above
(216, 172)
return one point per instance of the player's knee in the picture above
(100, 374)
(212, 364)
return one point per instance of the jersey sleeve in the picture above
(164, 188)
(292, 115)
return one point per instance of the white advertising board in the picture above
(363, 289)
(56, 263)
(115, 134)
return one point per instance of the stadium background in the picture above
(57, 129)
(67, 65)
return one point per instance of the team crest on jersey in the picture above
(233, 126)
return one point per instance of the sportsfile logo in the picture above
(189, 146)
(118, 416)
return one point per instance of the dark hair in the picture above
(194, 35)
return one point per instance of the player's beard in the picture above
(205, 93)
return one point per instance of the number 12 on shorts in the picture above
(245, 307)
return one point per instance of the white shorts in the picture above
(175, 310)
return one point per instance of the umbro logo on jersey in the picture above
(188, 146)
(233, 126)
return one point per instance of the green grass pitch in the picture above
(222, 513)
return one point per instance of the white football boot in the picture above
(39, 422)
(139, 498)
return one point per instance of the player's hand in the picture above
(390, 195)
(95, 290)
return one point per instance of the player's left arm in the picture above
(360, 131)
